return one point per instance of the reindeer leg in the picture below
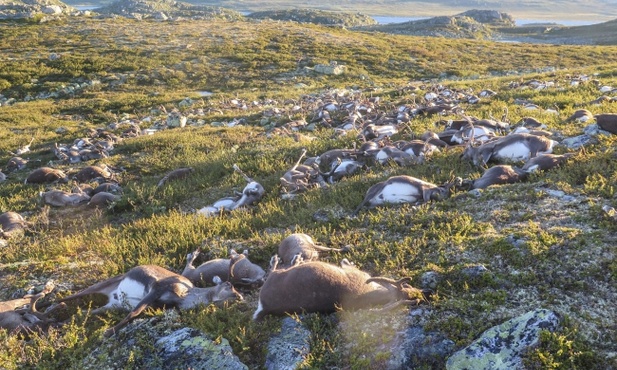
(237, 169)
(147, 301)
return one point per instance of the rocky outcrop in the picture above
(28, 9)
(489, 17)
(502, 346)
(166, 10)
(444, 26)
(317, 17)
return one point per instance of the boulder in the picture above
(289, 348)
(502, 346)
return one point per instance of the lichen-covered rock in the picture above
(577, 142)
(162, 344)
(188, 348)
(330, 69)
(290, 347)
(501, 347)
(18, 9)
(492, 17)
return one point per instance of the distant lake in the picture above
(522, 22)
(86, 7)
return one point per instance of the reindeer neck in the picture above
(196, 296)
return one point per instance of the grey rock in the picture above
(162, 344)
(289, 348)
(577, 142)
(429, 280)
(421, 348)
(189, 349)
(475, 271)
(502, 346)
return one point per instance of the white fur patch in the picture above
(515, 152)
(397, 193)
(260, 308)
(129, 292)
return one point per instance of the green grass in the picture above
(143, 66)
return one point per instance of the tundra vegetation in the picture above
(546, 242)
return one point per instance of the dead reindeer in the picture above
(331, 157)
(103, 199)
(496, 175)
(251, 194)
(176, 174)
(236, 269)
(580, 116)
(150, 285)
(16, 164)
(419, 149)
(61, 198)
(342, 168)
(302, 177)
(479, 133)
(514, 147)
(545, 162)
(12, 224)
(391, 154)
(405, 189)
(299, 244)
(108, 187)
(16, 319)
(607, 122)
(91, 173)
(322, 287)
(23, 150)
(46, 175)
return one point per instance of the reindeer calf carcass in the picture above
(497, 175)
(302, 245)
(11, 224)
(150, 285)
(237, 269)
(61, 198)
(251, 194)
(16, 319)
(322, 287)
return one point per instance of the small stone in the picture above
(429, 280)
(475, 271)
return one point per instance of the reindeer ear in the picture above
(217, 280)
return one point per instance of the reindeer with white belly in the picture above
(513, 147)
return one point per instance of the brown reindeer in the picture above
(321, 287)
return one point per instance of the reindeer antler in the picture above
(237, 169)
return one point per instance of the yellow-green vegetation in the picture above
(542, 249)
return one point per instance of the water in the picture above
(570, 23)
(86, 7)
(388, 20)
